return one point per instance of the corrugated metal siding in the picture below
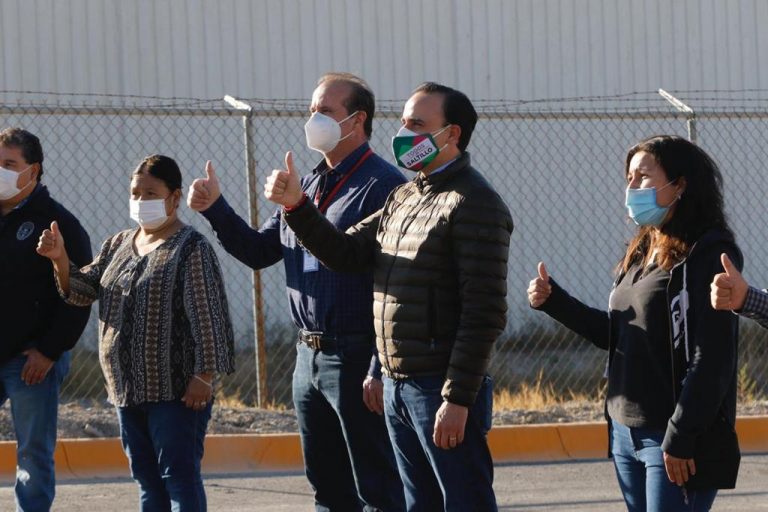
(491, 49)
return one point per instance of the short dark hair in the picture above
(163, 168)
(360, 97)
(30, 146)
(457, 109)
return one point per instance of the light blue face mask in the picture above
(643, 208)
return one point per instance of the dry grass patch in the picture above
(538, 395)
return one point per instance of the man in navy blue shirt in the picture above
(38, 328)
(337, 388)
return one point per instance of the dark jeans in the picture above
(164, 445)
(34, 412)
(460, 479)
(347, 455)
(639, 464)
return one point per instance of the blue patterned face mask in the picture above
(643, 208)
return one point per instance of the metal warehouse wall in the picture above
(491, 49)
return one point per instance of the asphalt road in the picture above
(566, 486)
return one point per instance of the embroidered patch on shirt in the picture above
(25, 230)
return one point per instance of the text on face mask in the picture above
(418, 153)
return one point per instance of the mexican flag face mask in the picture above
(414, 151)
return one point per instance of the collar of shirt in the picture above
(28, 198)
(345, 165)
(443, 167)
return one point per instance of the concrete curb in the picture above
(248, 453)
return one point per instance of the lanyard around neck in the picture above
(324, 206)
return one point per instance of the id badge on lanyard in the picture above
(310, 262)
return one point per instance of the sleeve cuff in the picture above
(677, 444)
(554, 301)
(755, 302)
(375, 369)
(49, 352)
(217, 209)
(64, 296)
(456, 395)
(289, 209)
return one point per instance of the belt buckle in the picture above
(313, 340)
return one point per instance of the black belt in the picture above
(317, 340)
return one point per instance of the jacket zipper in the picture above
(684, 323)
(404, 228)
(431, 310)
(670, 331)
(610, 338)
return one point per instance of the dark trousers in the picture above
(164, 442)
(347, 454)
(459, 479)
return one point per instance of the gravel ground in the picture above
(98, 419)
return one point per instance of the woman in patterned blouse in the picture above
(164, 332)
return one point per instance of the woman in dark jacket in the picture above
(671, 400)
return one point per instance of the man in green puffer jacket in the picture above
(438, 250)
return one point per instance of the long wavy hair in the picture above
(699, 209)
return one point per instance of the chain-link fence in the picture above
(558, 165)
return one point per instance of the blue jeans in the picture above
(347, 456)
(34, 410)
(164, 445)
(460, 479)
(639, 464)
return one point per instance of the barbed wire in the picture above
(613, 102)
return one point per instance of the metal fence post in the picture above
(682, 107)
(262, 392)
(194, 129)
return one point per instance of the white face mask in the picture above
(8, 181)
(149, 214)
(324, 133)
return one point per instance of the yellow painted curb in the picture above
(104, 458)
(570, 441)
(753, 433)
(548, 442)
(252, 452)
